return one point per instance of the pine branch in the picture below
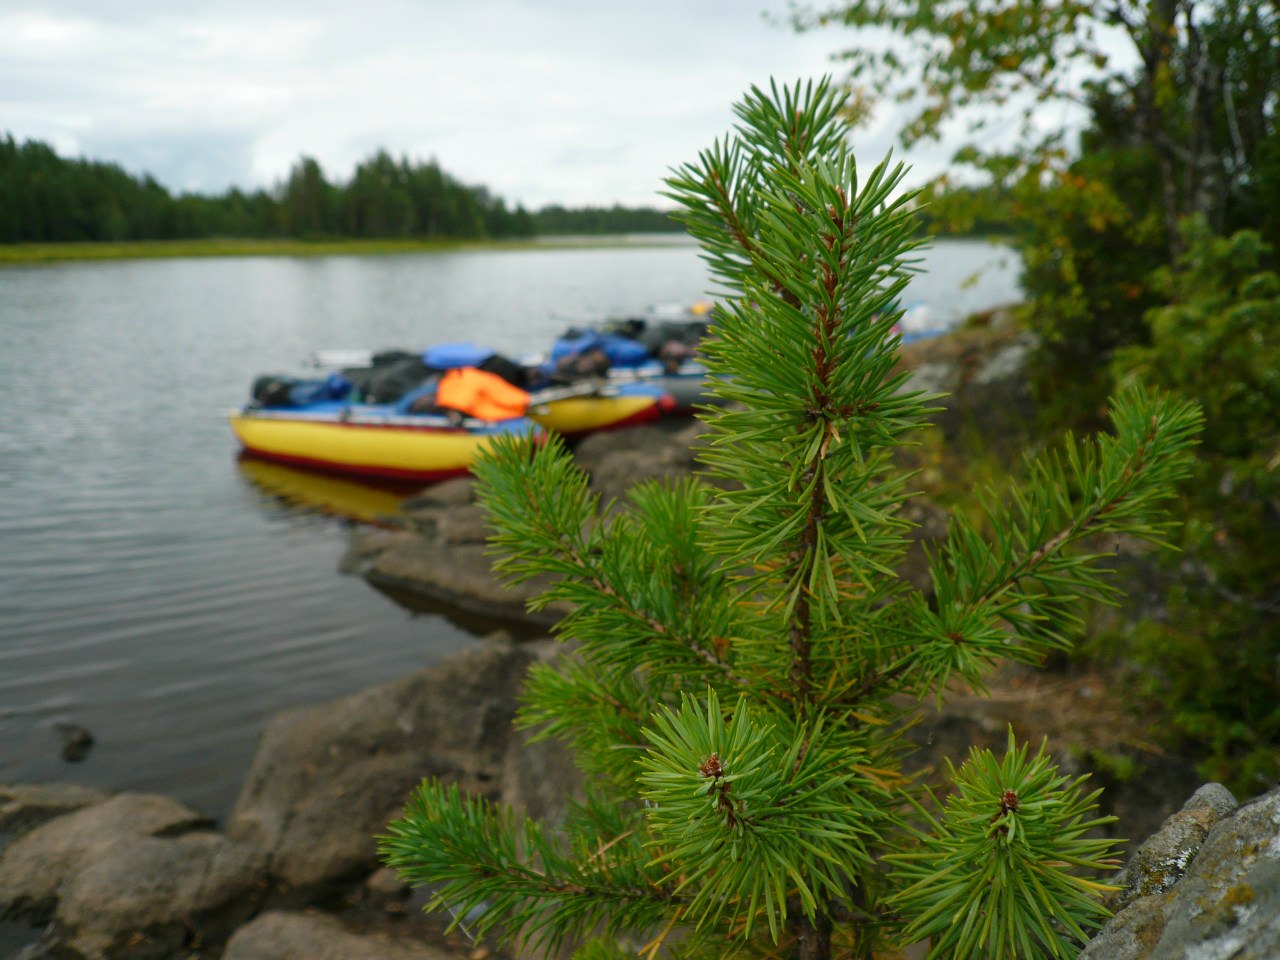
(545, 521)
(498, 873)
(733, 800)
(1028, 580)
(988, 879)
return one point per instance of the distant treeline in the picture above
(598, 220)
(45, 198)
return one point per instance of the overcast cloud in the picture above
(543, 101)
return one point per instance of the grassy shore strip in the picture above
(144, 250)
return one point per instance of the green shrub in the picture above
(1089, 241)
(1214, 660)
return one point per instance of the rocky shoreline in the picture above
(144, 876)
(293, 875)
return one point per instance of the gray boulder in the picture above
(24, 806)
(457, 492)
(37, 867)
(151, 897)
(539, 777)
(1163, 858)
(616, 460)
(312, 936)
(131, 875)
(326, 780)
(983, 372)
(1206, 887)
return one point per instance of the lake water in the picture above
(170, 599)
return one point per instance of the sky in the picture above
(576, 102)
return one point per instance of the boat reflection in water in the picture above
(362, 501)
(372, 503)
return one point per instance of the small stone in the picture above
(76, 741)
(386, 883)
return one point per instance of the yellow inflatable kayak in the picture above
(370, 441)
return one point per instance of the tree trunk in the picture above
(1155, 46)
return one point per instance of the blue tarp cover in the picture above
(621, 351)
(447, 356)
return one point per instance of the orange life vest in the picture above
(480, 394)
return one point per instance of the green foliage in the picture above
(1214, 664)
(950, 210)
(756, 794)
(44, 198)
(587, 221)
(1218, 339)
(1200, 102)
(1089, 240)
(1181, 128)
(948, 55)
(1181, 123)
(746, 657)
(601, 950)
(489, 863)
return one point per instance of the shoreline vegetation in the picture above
(97, 250)
(27, 253)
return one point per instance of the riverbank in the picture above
(293, 874)
(20, 253)
(169, 249)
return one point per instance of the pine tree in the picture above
(747, 657)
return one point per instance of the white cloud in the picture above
(569, 101)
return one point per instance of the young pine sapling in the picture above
(747, 656)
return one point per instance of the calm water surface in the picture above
(170, 599)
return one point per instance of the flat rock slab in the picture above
(457, 574)
(326, 780)
(439, 551)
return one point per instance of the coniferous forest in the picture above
(46, 198)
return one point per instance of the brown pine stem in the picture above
(813, 937)
(827, 324)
